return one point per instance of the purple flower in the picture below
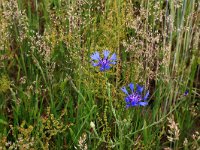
(105, 62)
(135, 98)
(186, 93)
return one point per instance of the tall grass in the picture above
(50, 94)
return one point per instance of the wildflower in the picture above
(186, 93)
(135, 98)
(92, 125)
(105, 62)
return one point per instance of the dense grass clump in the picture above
(67, 69)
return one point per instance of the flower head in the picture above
(105, 62)
(92, 125)
(135, 98)
(186, 93)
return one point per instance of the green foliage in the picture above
(4, 84)
(50, 93)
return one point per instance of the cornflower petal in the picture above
(113, 62)
(102, 68)
(131, 85)
(128, 105)
(95, 56)
(107, 67)
(143, 103)
(113, 57)
(127, 100)
(95, 64)
(124, 90)
(139, 89)
(106, 54)
(134, 104)
(146, 96)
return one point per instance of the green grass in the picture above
(50, 92)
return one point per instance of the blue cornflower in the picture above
(135, 98)
(186, 93)
(105, 62)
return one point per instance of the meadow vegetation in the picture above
(52, 97)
